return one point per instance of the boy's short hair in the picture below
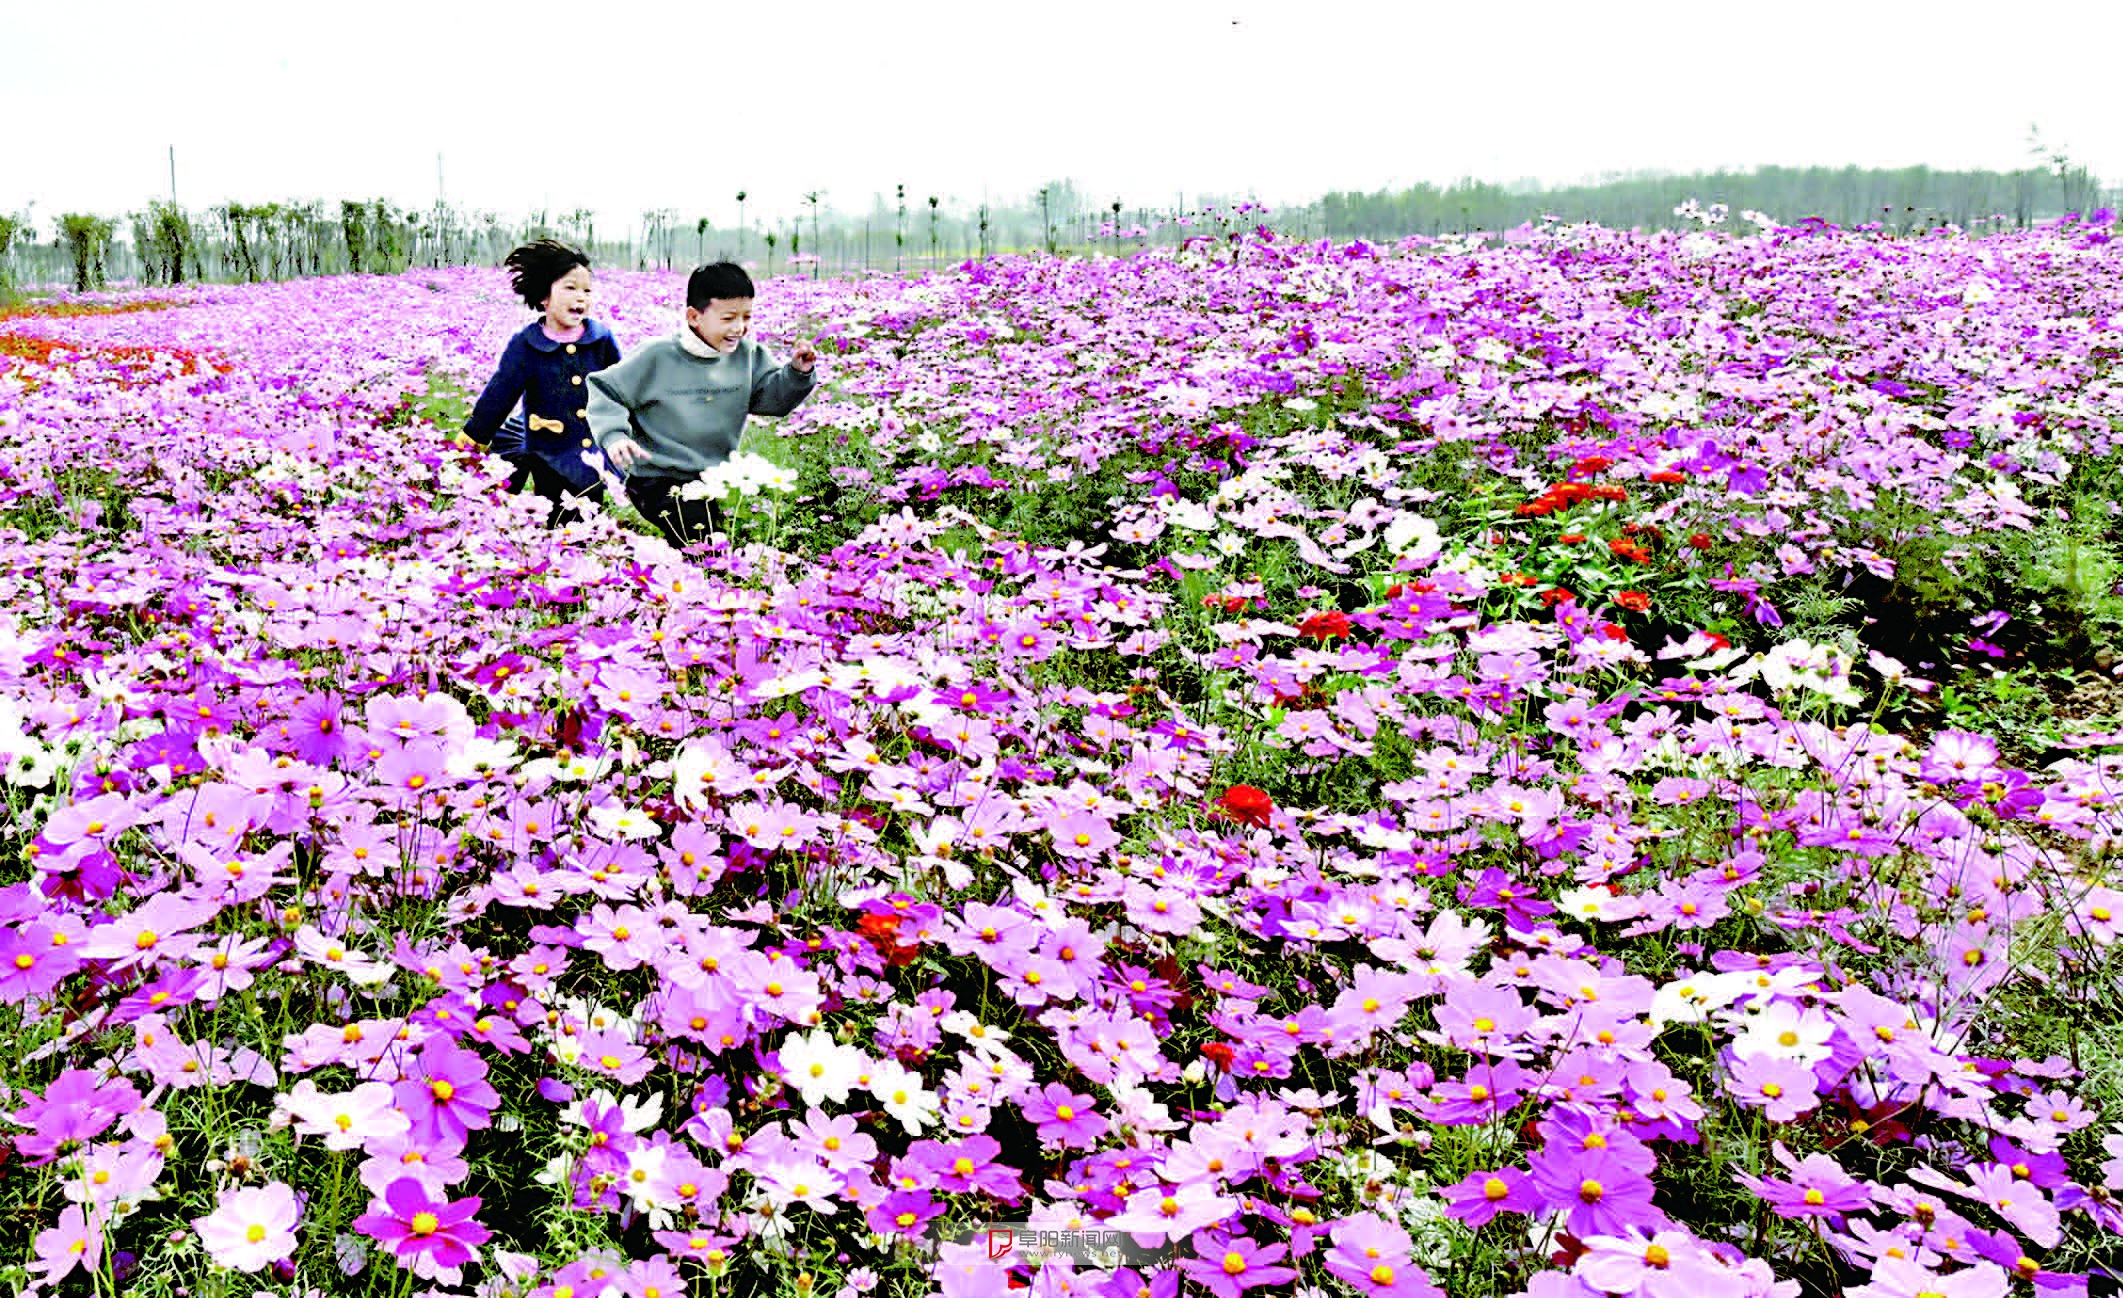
(717, 279)
(534, 267)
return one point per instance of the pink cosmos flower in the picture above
(1229, 1267)
(417, 1228)
(1170, 1213)
(157, 928)
(1480, 1196)
(1064, 1117)
(1782, 1088)
(1897, 1277)
(76, 1241)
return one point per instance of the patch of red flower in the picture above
(1667, 476)
(1563, 495)
(1228, 603)
(1328, 624)
(1589, 465)
(1627, 549)
(40, 351)
(1556, 595)
(1247, 805)
(68, 310)
(1634, 600)
(1518, 579)
(1571, 538)
(1699, 540)
(1219, 1053)
(883, 933)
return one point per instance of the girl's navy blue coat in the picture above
(548, 378)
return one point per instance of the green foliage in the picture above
(88, 238)
(353, 222)
(165, 243)
(1904, 198)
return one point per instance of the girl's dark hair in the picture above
(534, 267)
(717, 279)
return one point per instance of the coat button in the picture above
(575, 379)
(587, 443)
(582, 414)
(571, 349)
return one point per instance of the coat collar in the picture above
(593, 330)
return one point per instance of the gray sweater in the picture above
(687, 412)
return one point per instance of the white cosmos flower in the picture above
(619, 821)
(902, 1095)
(349, 1120)
(334, 954)
(1785, 1030)
(820, 1068)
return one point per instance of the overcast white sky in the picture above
(625, 105)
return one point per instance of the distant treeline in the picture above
(1909, 198)
(164, 243)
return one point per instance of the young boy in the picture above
(678, 405)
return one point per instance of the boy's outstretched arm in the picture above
(783, 388)
(614, 394)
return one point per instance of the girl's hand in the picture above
(463, 443)
(624, 453)
(804, 355)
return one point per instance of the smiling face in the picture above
(568, 302)
(722, 323)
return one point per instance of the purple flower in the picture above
(1603, 1194)
(1064, 1117)
(447, 1095)
(1229, 1268)
(74, 1110)
(1819, 1187)
(1782, 1088)
(903, 1212)
(1479, 1196)
(416, 1227)
(969, 1165)
(1372, 1255)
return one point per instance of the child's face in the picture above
(569, 301)
(722, 323)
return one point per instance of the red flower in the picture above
(1669, 476)
(1571, 538)
(1613, 632)
(1699, 540)
(883, 933)
(1717, 641)
(1325, 625)
(1624, 549)
(1634, 600)
(1557, 595)
(1219, 1053)
(1590, 465)
(1247, 805)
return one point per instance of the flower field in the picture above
(1537, 764)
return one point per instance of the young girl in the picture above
(544, 367)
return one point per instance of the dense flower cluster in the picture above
(394, 873)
